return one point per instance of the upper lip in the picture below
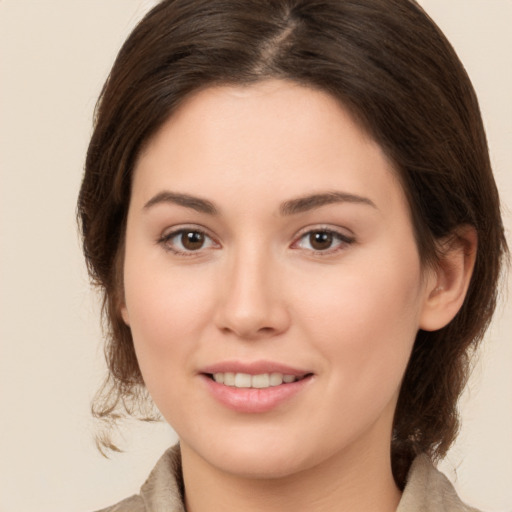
(253, 368)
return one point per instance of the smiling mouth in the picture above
(260, 381)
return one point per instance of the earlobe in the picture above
(124, 314)
(449, 281)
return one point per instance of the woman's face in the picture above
(269, 241)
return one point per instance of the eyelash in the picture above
(343, 241)
(165, 240)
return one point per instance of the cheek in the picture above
(166, 308)
(167, 313)
(365, 318)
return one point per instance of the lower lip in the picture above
(253, 400)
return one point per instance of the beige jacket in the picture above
(427, 490)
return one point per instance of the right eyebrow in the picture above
(192, 202)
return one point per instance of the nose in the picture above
(252, 303)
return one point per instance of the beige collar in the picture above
(426, 490)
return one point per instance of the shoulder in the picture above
(132, 504)
(428, 490)
(163, 490)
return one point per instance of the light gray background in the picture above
(54, 57)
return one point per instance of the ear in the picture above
(448, 282)
(119, 293)
(124, 314)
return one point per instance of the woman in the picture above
(290, 209)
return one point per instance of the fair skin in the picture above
(268, 235)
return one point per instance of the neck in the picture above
(357, 482)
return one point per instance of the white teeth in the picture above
(276, 379)
(218, 377)
(229, 379)
(242, 380)
(260, 381)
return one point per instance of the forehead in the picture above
(274, 133)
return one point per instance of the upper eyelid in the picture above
(174, 230)
(164, 241)
(342, 232)
(344, 240)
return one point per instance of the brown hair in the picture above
(388, 63)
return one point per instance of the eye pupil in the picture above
(192, 240)
(321, 240)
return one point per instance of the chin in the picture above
(249, 457)
(260, 465)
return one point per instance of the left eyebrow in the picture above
(306, 203)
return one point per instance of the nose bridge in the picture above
(252, 302)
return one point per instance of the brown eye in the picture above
(187, 242)
(192, 240)
(321, 240)
(324, 241)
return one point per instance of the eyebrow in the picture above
(291, 207)
(306, 203)
(186, 200)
